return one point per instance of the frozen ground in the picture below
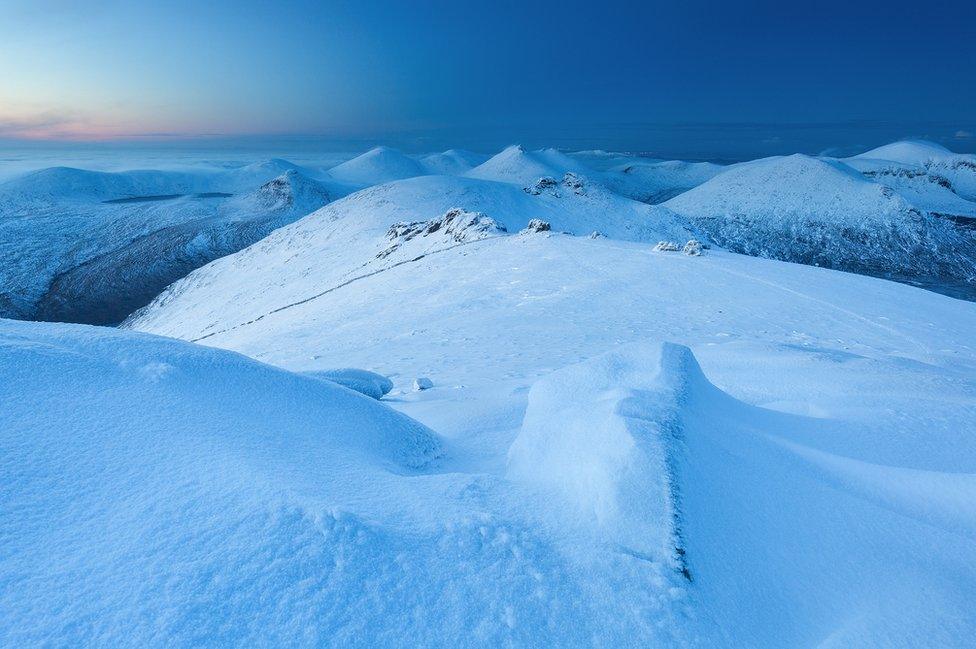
(619, 446)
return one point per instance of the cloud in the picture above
(963, 134)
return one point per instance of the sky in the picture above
(707, 79)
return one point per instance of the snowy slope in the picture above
(452, 162)
(824, 212)
(914, 152)
(656, 182)
(958, 169)
(853, 397)
(379, 165)
(75, 257)
(351, 237)
(521, 167)
(163, 493)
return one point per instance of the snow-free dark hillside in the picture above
(825, 213)
(78, 258)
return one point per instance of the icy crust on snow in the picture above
(825, 213)
(604, 434)
(68, 259)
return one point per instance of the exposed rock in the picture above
(693, 248)
(536, 225)
(456, 224)
(544, 184)
(667, 246)
(422, 383)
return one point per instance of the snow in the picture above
(69, 255)
(876, 376)
(516, 165)
(555, 439)
(656, 182)
(601, 434)
(907, 151)
(452, 162)
(379, 165)
(363, 381)
(826, 213)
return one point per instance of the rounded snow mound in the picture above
(452, 162)
(165, 490)
(379, 165)
(516, 165)
(908, 152)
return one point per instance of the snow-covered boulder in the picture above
(363, 381)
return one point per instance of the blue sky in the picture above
(709, 79)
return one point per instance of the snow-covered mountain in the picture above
(72, 254)
(516, 165)
(495, 412)
(825, 213)
(351, 237)
(452, 162)
(656, 182)
(638, 458)
(912, 152)
(956, 171)
(376, 166)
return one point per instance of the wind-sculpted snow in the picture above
(363, 381)
(605, 435)
(75, 258)
(825, 213)
(161, 493)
